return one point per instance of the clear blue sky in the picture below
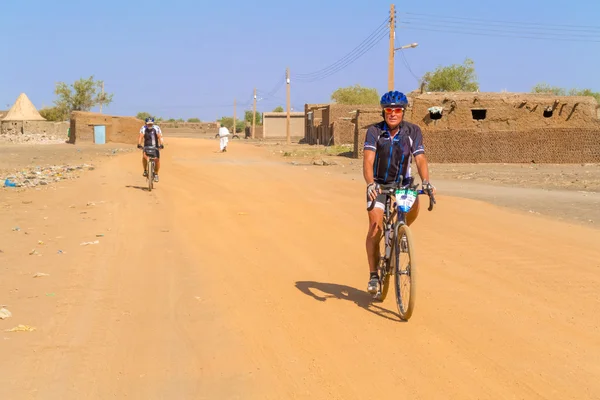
(184, 58)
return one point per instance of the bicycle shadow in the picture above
(137, 187)
(343, 292)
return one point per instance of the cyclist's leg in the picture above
(372, 241)
(412, 215)
(144, 162)
(157, 162)
(373, 236)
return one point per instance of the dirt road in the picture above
(242, 277)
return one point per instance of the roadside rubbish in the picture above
(4, 313)
(21, 328)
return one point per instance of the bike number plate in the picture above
(405, 198)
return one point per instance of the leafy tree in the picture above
(558, 91)
(452, 78)
(228, 123)
(355, 95)
(143, 115)
(278, 109)
(248, 118)
(82, 95)
(545, 88)
(55, 113)
(194, 120)
(585, 92)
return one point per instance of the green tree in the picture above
(248, 117)
(585, 92)
(82, 95)
(355, 95)
(194, 120)
(558, 91)
(452, 78)
(228, 123)
(143, 115)
(545, 88)
(278, 109)
(55, 113)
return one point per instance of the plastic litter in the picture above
(21, 328)
(4, 313)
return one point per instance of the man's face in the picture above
(393, 115)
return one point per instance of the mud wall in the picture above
(274, 124)
(200, 128)
(118, 129)
(502, 111)
(331, 124)
(258, 132)
(543, 145)
(499, 127)
(539, 145)
(44, 128)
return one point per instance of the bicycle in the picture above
(397, 238)
(152, 153)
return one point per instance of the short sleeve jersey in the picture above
(393, 155)
(151, 134)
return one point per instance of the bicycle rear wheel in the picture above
(404, 268)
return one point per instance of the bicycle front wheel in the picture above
(150, 175)
(404, 268)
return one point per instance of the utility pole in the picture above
(287, 121)
(254, 115)
(102, 97)
(392, 51)
(234, 130)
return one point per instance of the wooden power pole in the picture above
(287, 121)
(234, 117)
(254, 115)
(392, 51)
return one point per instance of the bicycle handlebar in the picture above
(389, 189)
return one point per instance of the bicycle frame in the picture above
(150, 166)
(394, 218)
(393, 213)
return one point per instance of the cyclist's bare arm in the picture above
(368, 160)
(423, 168)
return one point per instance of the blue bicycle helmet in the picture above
(149, 119)
(394, 99)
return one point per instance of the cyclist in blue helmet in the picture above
(389, 149)
(151, 135)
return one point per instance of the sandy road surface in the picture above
(243, 278)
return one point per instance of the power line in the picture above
(488, 21)
(278, 86)
(352, 56)
(504, 26)
(405, 61)
(472, 33)
(342, 66)
(549, 35)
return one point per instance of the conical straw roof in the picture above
(23, 110)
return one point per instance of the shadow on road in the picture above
(145, 188)
(343, 292)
